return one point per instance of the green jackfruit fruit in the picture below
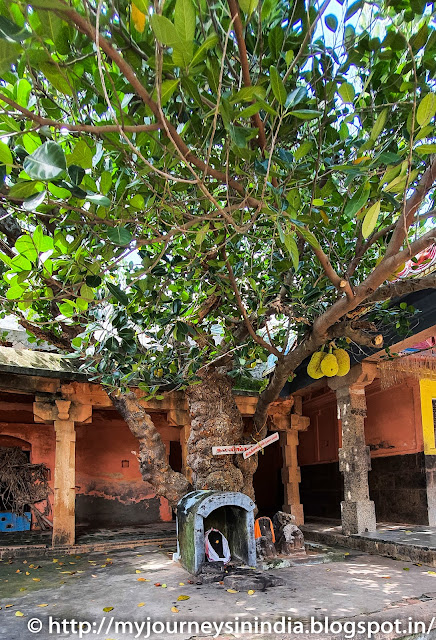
(313, 367)
(329, 365)
(343, 361)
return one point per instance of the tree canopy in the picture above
(196, 182)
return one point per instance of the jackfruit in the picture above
(343, 360)
(313, 367)
(329, 365)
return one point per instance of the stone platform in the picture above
(411, 543)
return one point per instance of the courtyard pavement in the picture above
(144, 586)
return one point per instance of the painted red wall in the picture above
(100, 449)
(392, 426)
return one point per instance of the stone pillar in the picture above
(289, 424)
(430, 472)
(64, 415)
(358, 511)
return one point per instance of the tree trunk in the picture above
(216, 421)
(152, 453)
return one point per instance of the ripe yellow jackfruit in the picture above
(313, 367)
(329, 365)
(343, 360)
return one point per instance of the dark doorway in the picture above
(267, 481)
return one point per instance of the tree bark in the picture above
(152, 453)
(215, 421)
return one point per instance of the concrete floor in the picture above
(360, 587)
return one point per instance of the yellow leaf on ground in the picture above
(55, 560)
(138, 571)
(19, 614)
(141, 604)
(232, 591)
(42, 605)
(7, 606)
(431, 573)
(174, 610)
(27, 573)
(181, 584)
(141, 579)
(107, 609)
(164, 586)
(183, 597)
(250, 592)
(93, 575)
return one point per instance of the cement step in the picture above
(413, 544)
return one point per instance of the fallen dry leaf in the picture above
(157, 584)
(36, 579)
(406, 568)
(181, 584)
(183, 597)
(250, 592)
(386, 577)
(141, 579)
(93, 575)
(55, 560)
(7, 606)
(42, 605)
(141, 604)
(232, 591)
(164, 586)
(107, 609)
(174, 610)
(431, 573)
(138, 571)
(19, 614)
(27, 573)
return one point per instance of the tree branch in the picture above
(401, 288)
(269, 347)
(81, 128)
(236, 16)
(346, 330)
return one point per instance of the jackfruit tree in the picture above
(191, 186)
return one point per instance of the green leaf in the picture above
(9, 52)
(200, 54)
(32, 203)
(105, 182)
(11, 31)
(275, 40)
(120, 236)
(331, 22)
(26, 247)
(24, 189)
(164, 30)
(347, 92)
(184, 20)
(303, 149)
(370, 219)
(6, 156)
(291, 246)
(81, 156)
(15, 292)
(305, 114)
(359, 199)
(248, 6)
(46, 163)
(42, 243)
(167, 90)
(60, 80)
(97, 198)
(51, 26)
(247, 94)
(87, 293)
(426, 109)
(379, 124)
(309, 237)
(118, 293)
(277, 85)
(425, 149)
